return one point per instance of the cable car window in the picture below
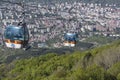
(14, 33)
(70, 37)
(18, 34)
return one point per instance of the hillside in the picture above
(101, 63)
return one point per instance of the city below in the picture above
(47, 24)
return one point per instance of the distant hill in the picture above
(101, 63)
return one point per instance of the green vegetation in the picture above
(100, 39)
(101, 63)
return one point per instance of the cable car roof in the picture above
(13, 26)
(71, 34)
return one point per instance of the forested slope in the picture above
(101, 63)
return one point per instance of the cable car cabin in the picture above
(16, 36)
(70, 39)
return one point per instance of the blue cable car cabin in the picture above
(16, 36)
(70, 39)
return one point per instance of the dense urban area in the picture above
(47, 24)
